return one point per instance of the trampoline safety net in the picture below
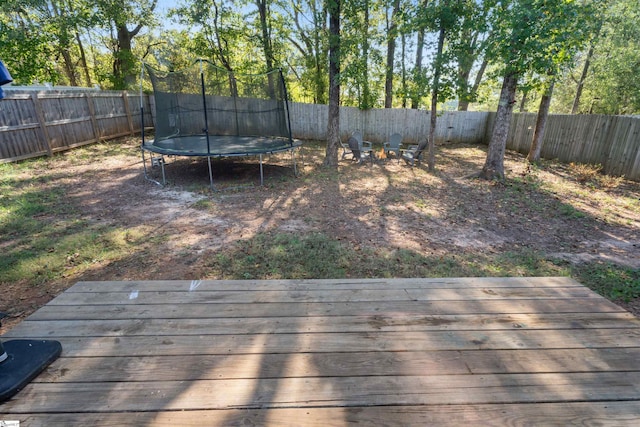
(207, 100)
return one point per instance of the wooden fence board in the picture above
(611, 141)
(76, 118)
(35, 123)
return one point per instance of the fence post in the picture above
(125, 100)
(92, 116)
(43, 125)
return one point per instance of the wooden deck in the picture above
(507, 351)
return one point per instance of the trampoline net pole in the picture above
(210, 173)
(285, 101)
(204, 108)
(206, 123)
(141, 105)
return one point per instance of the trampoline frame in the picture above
(215, 142)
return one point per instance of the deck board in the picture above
(337, 324)
(489, 351)
(545, 414)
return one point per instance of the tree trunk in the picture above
(266, 43)
(365, 103)
(124, 69)
(59, 15)
(219, 51)
(494, 165)
(576, 101)
(541, 121)
(465, 93)
(83, 60)
(123, 66)
(434, 100)
(391, 52)
(320, 56)
(333, 125)
(465, 59)
(404, 72)
(69, 68)
(523, 101)
(464, 104)
(415, 97)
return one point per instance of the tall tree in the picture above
(120, 15)
(530, 36)
(403, 71)
(360, 52)
(575, 108)
(558, 59)
(418, 74)
(541, 122)
(392, 35)
(333, 125)
(366, 86)
(433, 113)
(494, 163)
(309, 38)
(59, 18)
(468, 46)
(597, 19)
(444, 16)
(266, 33)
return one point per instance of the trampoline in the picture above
(206, 111)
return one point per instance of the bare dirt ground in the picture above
(388, 205)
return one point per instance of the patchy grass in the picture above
(612, 281)
(46, 238)
(317, 256)
(89, 215)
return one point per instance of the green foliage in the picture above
(610, 280)
(468, 44)
(538, 36)
(24, 48)
(614, 85)
(82, 42)
(362, 63)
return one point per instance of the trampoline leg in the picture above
(293, 160)
(210, 173)
(144, 164)
(146, 175)
(164, 178)
(261, 173)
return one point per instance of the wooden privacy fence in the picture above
(610, 141)
(36, 123)
(309, 121)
